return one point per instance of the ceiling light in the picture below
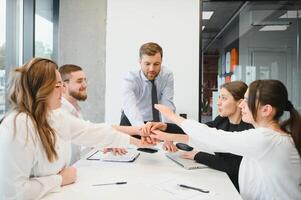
(203, 27)
(290, 14)
(272, 23)
(274, 28)
(207, 14)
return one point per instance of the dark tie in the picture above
(154, 101)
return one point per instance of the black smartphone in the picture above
(184, 147)
(147, 150)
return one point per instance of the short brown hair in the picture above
(150, 49)
(67, 69)
(236, 88)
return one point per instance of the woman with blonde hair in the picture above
(271, 164)
(35, 135)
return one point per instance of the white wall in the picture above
(82, 31)
(174, 24)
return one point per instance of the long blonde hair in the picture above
(29, 89)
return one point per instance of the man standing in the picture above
(143, 88)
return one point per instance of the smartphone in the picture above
(184, 147)
(147, 150)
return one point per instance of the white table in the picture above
(150, 177)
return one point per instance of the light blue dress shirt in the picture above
(136, 95)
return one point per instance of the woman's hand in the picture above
(160, 135)
(189, 155)
(169, 114)
(149, 126)
(68, 175)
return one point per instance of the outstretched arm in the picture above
(130, 130)
(252, 142)
(160, 135)
(168, 113)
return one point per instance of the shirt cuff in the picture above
(57, 182)
(122, 141)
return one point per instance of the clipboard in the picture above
(130, 156)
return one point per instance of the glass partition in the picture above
(249, 40)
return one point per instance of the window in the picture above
(44, 29)
(33, 27)
(2, 56)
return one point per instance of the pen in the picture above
(116, 183)
(194, 188)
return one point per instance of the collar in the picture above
(158, 78)
(68, 106)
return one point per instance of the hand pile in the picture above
(152, 133)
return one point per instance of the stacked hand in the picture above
(152, 132)
(155, 130)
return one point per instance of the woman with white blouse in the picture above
(271, 164)
(36, 135)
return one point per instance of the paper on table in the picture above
(130, 156)
(172, 187)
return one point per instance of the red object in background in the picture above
(234, 59)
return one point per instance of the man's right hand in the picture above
(68, 175)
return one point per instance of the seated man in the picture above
(75, 84)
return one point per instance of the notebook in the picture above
(130, 156)
(187, 164)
